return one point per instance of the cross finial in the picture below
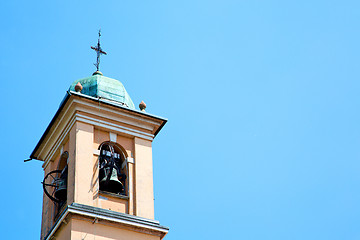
(99, 51)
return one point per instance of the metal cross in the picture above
(99, 52)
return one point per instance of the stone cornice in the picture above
(122, 220)
(133, 123)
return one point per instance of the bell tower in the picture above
(98, 175)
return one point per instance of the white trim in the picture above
(113, 137)
(94, 215)
(124, 119)
(118, 113)
(61, 137)
(114, 127)
(130, 160)
(96, 152)
(64, 133)
(98, 216)
(60, 121)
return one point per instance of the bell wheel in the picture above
(51, 184)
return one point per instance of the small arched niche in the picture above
(113, 171)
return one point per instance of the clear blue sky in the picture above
(262, 97)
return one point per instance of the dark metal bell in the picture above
(113, 184)
(61, 191)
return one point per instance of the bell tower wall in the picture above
(144, 203)
(49, 212)
(80, 128)
(83, 136)
(83, 188)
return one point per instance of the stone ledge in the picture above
(107, 215)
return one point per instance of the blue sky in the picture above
(262, 99)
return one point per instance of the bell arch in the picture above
(55, 184)
(113, 171)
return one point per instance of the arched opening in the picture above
(55, 184)
(112, 169)
(61, 191)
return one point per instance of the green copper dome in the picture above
(100, 86)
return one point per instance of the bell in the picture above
(113, 184)
(61, 192)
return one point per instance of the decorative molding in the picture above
(57, 125)
(108, 215)
(69, 113)
(114, 127)
(63, 134)
(130, 116)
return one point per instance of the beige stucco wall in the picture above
(113, 203)
(101, 135)
(144, 193)
(64, 232)
(84, 163)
